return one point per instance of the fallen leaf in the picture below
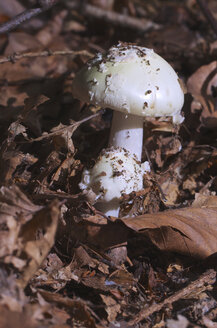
(21, 42)
(202, 86)
(204, 201)
(122, 277)
(13, 202)
(16, 319)
(190, 231)
(30, 114)
(47, 34)
(82, 258)
(11, 8)
(118, 254)
(11, 297)
(62, 138)
(170, 188)
(37, 237)
(10, 157)
(112, 307)
(27, 231)
(77, 308)
(208, 323)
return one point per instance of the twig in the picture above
(69, 127)
(207, 13)
(112, 17)
(19, 19)
(205, 279)
(16, 56)
(26, 15)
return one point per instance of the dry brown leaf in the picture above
(102, 236)
(37, 238)
(10, 157)
(62, 137)
(15, 319)
(174, 39)
(112, 307)
(12, 297)
(74, 26)
(15, 97)
(82, 258)
(51, 163)
(27, 232)
(204, 201)
(147, 200)
(170, 189)
(11, 7)
(118, 255)
(196, 160)
(14, 204)
(67, 169)
(190, 231)
(21, 42)
(122, 277)
(78, 309)
(33, 69)
(31, 315)
(52, 263)
(9, 162)
(47, 34)
(202, 86)
(30, 114)
(190, 184)
(94, 281)
(56, 279)
(208, 323)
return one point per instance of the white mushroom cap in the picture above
(116, 172)
(133, 80)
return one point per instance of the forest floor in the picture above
(62, 262)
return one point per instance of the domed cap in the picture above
(131, 79)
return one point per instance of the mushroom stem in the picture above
(127, 132)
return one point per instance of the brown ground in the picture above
(62, 263)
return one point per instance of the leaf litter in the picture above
(62, 262)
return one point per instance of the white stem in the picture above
(127, 132)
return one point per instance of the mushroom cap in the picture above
(131, 79)
(115, 172)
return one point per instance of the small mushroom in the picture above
(136, 83)
(116, 172)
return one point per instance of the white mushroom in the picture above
(136, 83)
(116, 172)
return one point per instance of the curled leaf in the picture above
(190, 231)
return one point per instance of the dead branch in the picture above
(17, 56)
(114, 18)
(26, 15)
(69, 127)
(202, 282)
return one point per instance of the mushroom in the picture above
(116, 172)
(136, 83)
